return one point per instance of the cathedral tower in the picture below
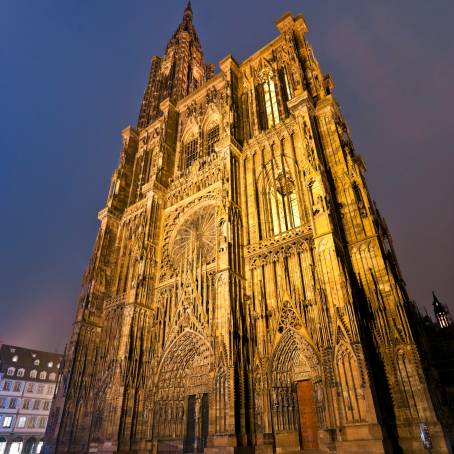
(243, 294)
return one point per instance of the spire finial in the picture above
(435, 299)
(188, 8)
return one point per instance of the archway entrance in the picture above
(182, 400)
(296, 393)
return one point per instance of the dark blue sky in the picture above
(73, 73)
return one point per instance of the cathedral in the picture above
(243, 295)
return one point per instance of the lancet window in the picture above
(287, 90)
(266, 100)
(272, 111)
(283, 204)
(212, 138)
(191, 152)
(359, 199)
(280, 204)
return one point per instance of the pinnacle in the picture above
(188, 8)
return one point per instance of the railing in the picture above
(115, 301)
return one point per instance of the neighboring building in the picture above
(441, 312)
(243, 294)
(27, 385)
(435, 341)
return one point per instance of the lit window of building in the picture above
(7, 420)
(20, 372)
(21, 421)
(17, 386)
(15, 358)
(10, 371)
(36, 362)
(30, 387)
(43, 375)
(33, 373)
(50, 364)
(52, 376)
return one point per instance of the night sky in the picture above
(72, 77)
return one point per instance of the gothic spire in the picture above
(181, 70)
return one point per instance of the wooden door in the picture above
(308, 417)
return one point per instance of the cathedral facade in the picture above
(243, 294)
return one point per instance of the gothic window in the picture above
(212, 138)
(409, 382)
(316, 81)
(350, 386)
(20, 372)
(359, 199)
(279, 203)
(272, 111)
(310, 53)
(191, 152)
(285, 213)
(286, 86)
(245, 113)
(43, 375)
(10, 371)
(266, 102)
(33, 374)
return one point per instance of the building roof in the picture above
(28, 359)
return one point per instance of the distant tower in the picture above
(441, 312)
(243, 294)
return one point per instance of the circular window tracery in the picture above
(196, 237)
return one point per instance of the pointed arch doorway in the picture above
(182, 399)
(296, 393)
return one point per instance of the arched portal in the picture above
(181, 405)
(296, 392)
